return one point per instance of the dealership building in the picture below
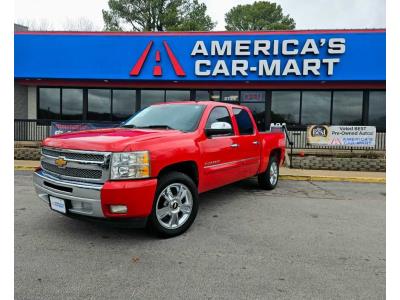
(299, 77)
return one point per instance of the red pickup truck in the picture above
(151, 169)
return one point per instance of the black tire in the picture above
(264, 179)
(166, 180)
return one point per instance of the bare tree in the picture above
(70, 24)
(80, 24)
(36, 25)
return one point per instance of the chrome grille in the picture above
(82, 166)
(73, 155)
(72, 172)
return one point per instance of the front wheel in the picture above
(269, 179)
(175, 205)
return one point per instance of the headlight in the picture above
(130, 165)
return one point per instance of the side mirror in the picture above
(218, 128)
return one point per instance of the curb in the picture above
(332, 178)
(24, 168)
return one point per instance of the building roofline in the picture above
(195, 33)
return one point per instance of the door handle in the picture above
(255, 143)
(235, 145)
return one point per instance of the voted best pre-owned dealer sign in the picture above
(331, 56)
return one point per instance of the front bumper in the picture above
(93, 200)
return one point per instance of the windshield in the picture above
(184, 117)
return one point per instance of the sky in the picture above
(308, 14)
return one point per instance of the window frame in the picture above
(62, 101)
(111, 101)
(297, 125)
(38, 101)
(330, 105)
(363, 91)
(368, 106)
(135, 91)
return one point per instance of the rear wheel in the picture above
(175, 205)
(269, 179)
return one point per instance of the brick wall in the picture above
(339, 163)
(27, 150)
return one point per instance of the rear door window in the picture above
(243, 121)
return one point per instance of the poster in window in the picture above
(253, 96)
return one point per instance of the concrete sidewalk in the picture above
(285, 174)
(329, 175)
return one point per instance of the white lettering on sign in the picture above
(242, 47)
(299, 58)
(310, 47)
(311, 65)
(337, 46)
(220, 68)
(330, 62)
(291, 68)
(273, 68)
(289, 47)
(261, 47)
(225, 49)
(199, 48)
(240, 66)
(199, 71)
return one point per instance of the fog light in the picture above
(118, 209)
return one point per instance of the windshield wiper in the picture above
(128, 126)
(157, 126)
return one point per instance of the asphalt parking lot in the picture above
(304, 240)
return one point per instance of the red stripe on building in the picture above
(207, 85)
(157, 71)
(175, 64)
(139, 64)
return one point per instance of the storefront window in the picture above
(202, 95)
(124, 104)
(258, 111)
(49, 103)
(149, 97)
(285, 107)
(316, 107)
(377, 109)
(72, 104)
(99, 104)
(177, 95)
(215, 95)
(252, 96)
(347, 108)
(230, 96)
(208, 95)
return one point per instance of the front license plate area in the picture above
(58, 204)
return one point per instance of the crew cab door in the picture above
(219, 152)
(249, 146)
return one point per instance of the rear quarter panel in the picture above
(271, 141)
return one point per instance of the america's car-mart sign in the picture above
(291, 56)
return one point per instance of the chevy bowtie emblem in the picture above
(61, 162)
(157, 70)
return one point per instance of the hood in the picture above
(113, 140)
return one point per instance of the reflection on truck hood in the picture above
(114, 139)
